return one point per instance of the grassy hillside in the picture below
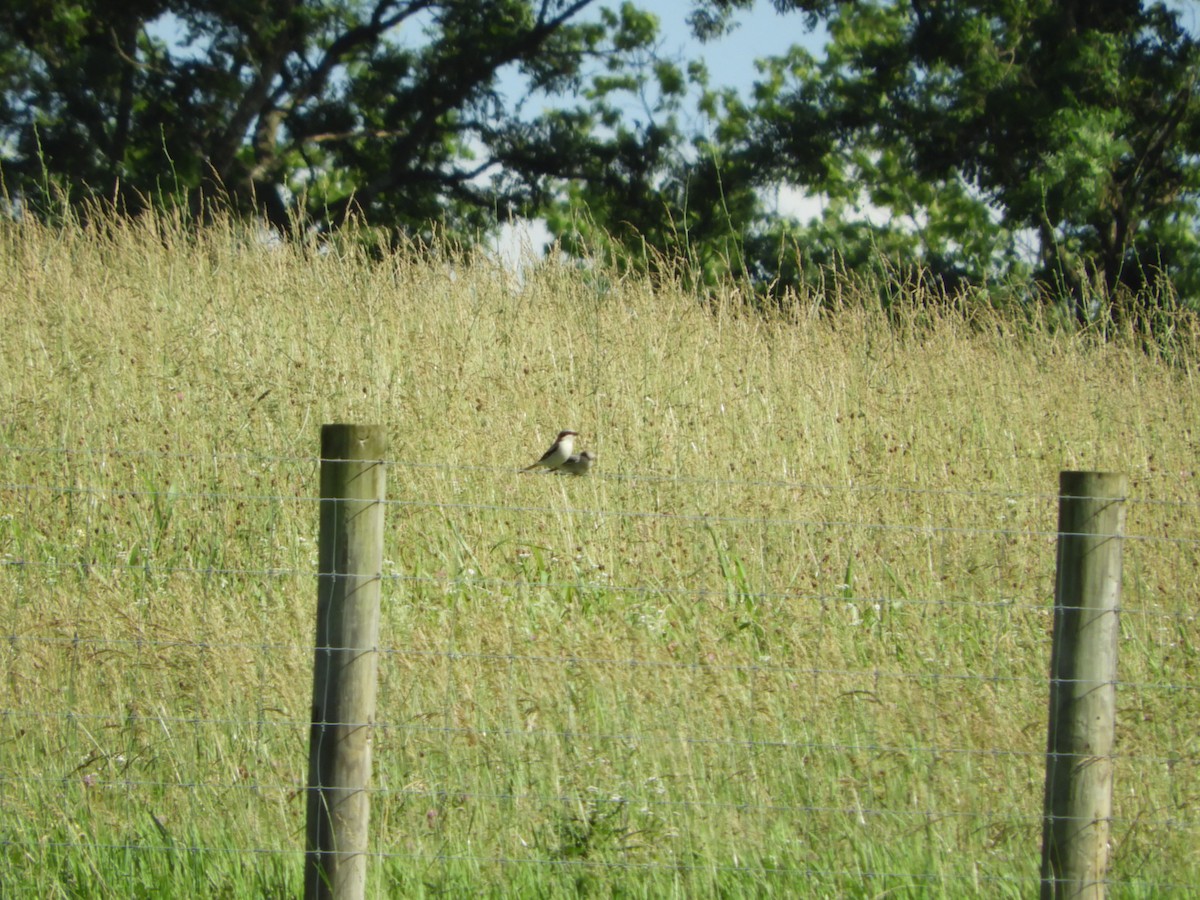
(791, 637)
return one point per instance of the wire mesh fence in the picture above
(585, 683)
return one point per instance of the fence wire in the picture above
(689, 678)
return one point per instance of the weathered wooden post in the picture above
(1083, 690)
(343, 708)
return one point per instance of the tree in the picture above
(996, 134)
(645, 193)
(978, 139)
(389, 109)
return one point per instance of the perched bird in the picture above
(578, 464)
(559, 452)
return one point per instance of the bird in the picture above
(578, 464)
(559, 452)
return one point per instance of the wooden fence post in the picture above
(1083, 691)
(343, 709)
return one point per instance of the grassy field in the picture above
(790, 638)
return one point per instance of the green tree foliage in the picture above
(996, 136)
(645, 194)
(392, 109)
(1056, 142)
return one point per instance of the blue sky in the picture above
(760, 32)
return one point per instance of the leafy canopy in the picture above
(391, 109)
(996, 136)
(978, 139)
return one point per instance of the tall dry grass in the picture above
(791, 636)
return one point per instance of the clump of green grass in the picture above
(790, 637)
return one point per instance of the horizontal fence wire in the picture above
(692, 518)
(525, 683)
(857, 875)
(296, 789)
(79, 643)
(1044, 607)
(313, 462)
(1191, 757)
